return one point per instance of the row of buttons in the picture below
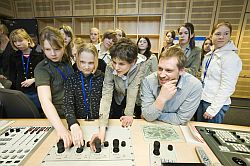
(12, 157)
(9, 161)
(239, 147)
(19, 151)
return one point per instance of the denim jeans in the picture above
(219, 117)
(34, 98)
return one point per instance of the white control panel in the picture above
(17, 143)
(117, 150)
(161, 153)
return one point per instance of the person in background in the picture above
(76, 43)
(169, 40)
(144, 47)
(83, 91)
(220, 71)
(68, 35)
(206, 47)
(120, 86)
(50, 75)
(108, 39)
(187, 44)
(6, 51)
(170, 95)
(120, 33)
(94, 36)
(23, 64)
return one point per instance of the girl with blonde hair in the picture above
(83, 91)
(23, 63)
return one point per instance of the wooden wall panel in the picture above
(150, 6)
(60, 21)
(202, 15)
(150, 27)
(7, 8)
(248, 7)
(104, 23)
(128, 24)
(43, 22)
(126, 7)
(104, 7)
(62, 7)
(232, 11)
(83, 8)
(43, 8)
(24, 8)
(243, 84)
(175, 13)
(82, 25)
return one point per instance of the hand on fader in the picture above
(77, 135)
(65, 136)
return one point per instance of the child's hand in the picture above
(77, 135)
(65, 136)
(206, 115)
(126, 121)
(100, 135)
(27, 82)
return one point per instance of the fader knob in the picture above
(97, 143)
(116, 146)
(116, 150)
(88, 144)
(156, 150)
(170, 147)
(242, 140)
(106, 144)
(60, 146)
(80, 149)
(123, 143)
(116, 143)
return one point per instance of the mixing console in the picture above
(161, 153)
(116, 150)
(17, 143)
(231, 147)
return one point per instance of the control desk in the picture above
(143, 150)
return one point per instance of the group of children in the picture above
(105, 79)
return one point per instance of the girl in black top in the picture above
(83, 91)
(23, 63)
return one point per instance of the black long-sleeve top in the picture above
(17, 72)
(73, 101)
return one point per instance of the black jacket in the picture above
(73, 101)
(17, 72)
